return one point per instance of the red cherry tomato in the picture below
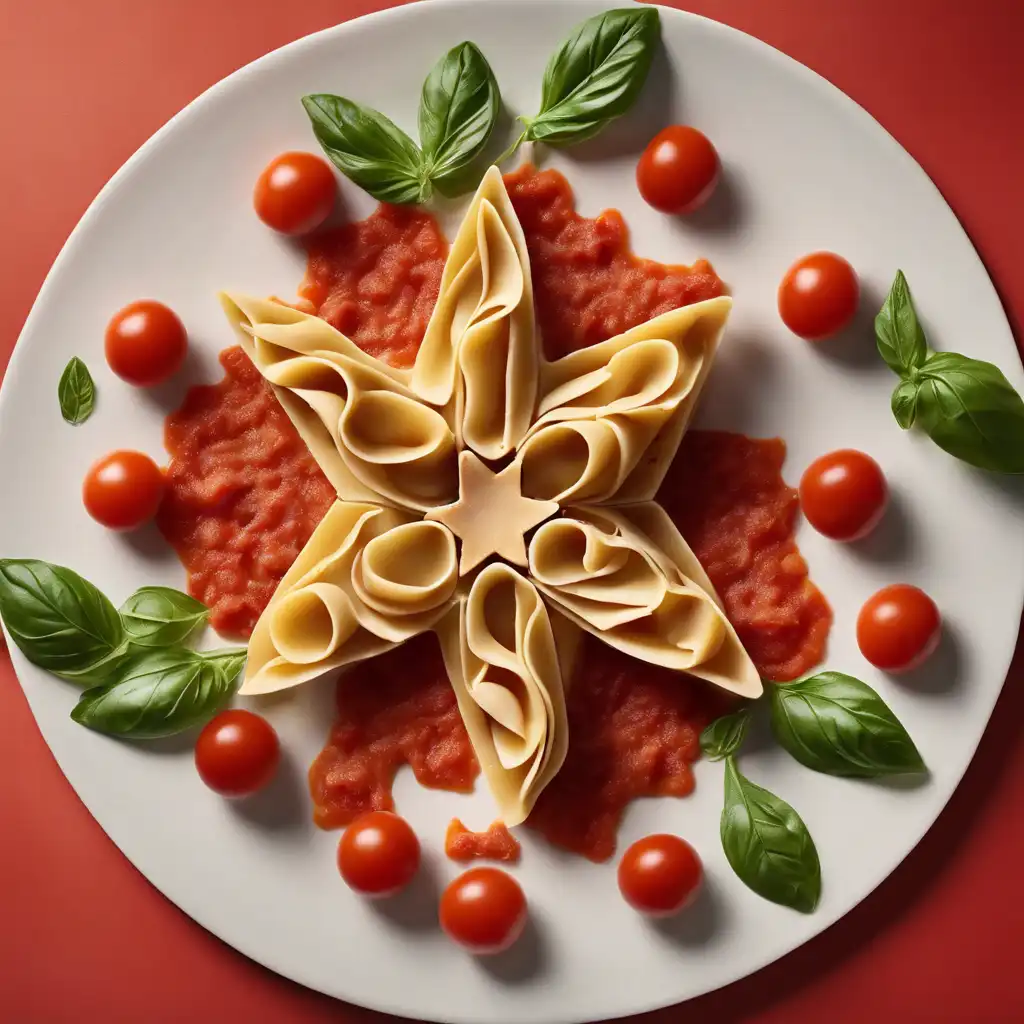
(818, 296)
(660, 874)
(123, 490)
(484, 910)
(843, 494)
(145, 343)
(295, 193)
(678, 170)
(898, 628)
(237, 752)
(378, 854)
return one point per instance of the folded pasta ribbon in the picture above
(611, 416)
(479, 355)
(368, 579)
(370, 434)
(627, 576)
(499, 650)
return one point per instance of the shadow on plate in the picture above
(698, 924)
(282, 805)
(942, 673)
(855, 347)
(525, 962)
(893, 539)
(414, 909)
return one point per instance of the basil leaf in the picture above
(161, 617)
(900, 338)
(768, 845)
(970, 410)
(725, 735)
(838, 725)
(458, 108)
(159, 692)
(229, 661)
(59, 621)
(595, 75)
(369, 148)
(76, 392)
(904, 403)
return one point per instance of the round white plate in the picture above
(805, 168)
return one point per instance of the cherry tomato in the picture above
(295, 193)
(660, 874)
(145, 343)
(484, 910)
(898, 628)
(123, 490)
(378, 854)
(237, 752)
(818, 296)
(843, 494)
(678, 170)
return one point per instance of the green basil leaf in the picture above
(161, 617)
(904, 403)
(838, 725)
(229, 661)
(768, 845)
(59, 621)
(369, 148)
(458, 108)
(158, 692)
(595, 75)
(901, 341)
(76, 392)
(725, 735)
(971, 410)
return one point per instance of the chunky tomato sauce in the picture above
(497, 843)
(244, 496)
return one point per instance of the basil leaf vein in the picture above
(725, 735)
(767, 844)
(76, 392)
(901, 341)
(59, 620)
(595, 75)
(458, 108)
(161, 616)
(836, 724)
(369, 148)
(159, 692)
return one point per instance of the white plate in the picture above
(805, 169)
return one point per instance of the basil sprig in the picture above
(458, 108)
(76, 392)
(836, 724)
(725, 735)
(966, 406)
(594, 76)
(767, 844)
(142, 681)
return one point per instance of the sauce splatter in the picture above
(497, 843)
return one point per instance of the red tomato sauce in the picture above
(398, 708)
(497, 843)
(238, 525)
(587, 283)
(243, 494)
(376, 280)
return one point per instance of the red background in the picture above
(83, 83)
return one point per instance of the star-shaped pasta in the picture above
(559, 465)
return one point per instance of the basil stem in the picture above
(76, 392)
(838, 725)
(725, 735)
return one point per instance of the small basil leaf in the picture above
(76, 392)
(369, 148)
(458, 108)
(836, 724)
(725, 735)
(229, 662)
(901, 341)
(768, 845)
(161, 617)
(971, 410)
(158, 692)
(904, 403)
(59, 621)
(595, 75)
